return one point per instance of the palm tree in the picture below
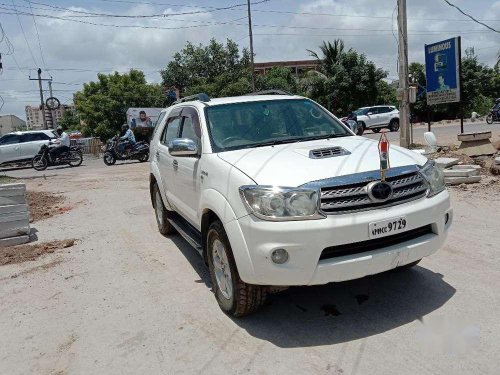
(331, 54)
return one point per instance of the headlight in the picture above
(280, 203)
(434, 177)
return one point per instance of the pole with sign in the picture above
(443, 73)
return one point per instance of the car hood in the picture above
(290, 164)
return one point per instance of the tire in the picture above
(143, 157)
(235, 297)
(76, 158)
(489, 119)
(361, 129)
(394, 125)
(161, 213)
(39, 163)
(407, 266)
(375, 130)
(109, 158)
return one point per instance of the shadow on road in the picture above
(339, 312)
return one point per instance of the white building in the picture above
(34, 116)
(10, 123)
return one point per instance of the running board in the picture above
(187, 231)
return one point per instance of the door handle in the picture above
(175, 164)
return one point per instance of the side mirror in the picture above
(369, 114)
(182, 147)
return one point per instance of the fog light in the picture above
(279, 256)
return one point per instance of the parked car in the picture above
(23, 146)
(274, 191)
(378, 117)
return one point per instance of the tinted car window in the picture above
(188, 129)
(383, 110)
(31, 137)
(10, 139)
(171, 131)
(373, 111)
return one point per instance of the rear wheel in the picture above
(394, 125)
(143, 157)
(489, 119)
(39, 163)
(161, 212)
(75, 158)
(234, 296)
(109, 158)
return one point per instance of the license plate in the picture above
(387, 227)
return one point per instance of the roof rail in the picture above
(270, 92)
(202, 97)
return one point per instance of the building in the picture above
(34, 116)
(10, 123)
(298, 67)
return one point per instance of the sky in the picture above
(56, 35)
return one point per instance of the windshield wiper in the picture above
(275, 142)
(327, 136)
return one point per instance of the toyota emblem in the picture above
(379, 191)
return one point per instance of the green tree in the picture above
(69, 120)
(102, 105)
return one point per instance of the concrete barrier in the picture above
(14, 215)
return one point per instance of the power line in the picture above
(472, 18)
(38, 37)
(24, 34)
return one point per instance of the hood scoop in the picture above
(328, 152)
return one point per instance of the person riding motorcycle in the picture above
(63, 141)
(126, 139)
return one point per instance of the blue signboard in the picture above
(442, 63)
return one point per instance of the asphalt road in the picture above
(126, 300)
(446, 134)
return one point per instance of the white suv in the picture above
(378, 117)
(23, 146)
(274, 191)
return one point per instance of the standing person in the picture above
(63, 141)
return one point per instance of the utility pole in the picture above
(50, 109)
(250, 35)
(42, 104)
(404, 109)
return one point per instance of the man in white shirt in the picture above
(63, 141)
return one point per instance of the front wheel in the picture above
(143, 157)
(75, 158)
(489, 119)
(109, 158)
(361, 130)
(234, 296)
(39, 163)
(164, 226)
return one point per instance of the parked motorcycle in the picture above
(139, 151)
(492, 117)
(44, 158)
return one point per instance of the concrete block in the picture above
(11, 190)
(445, 162)
(461, 180)
(477, 148)
(497, 160)
(466, 166)
(13, 208)
(14, 228)
(460, 172)
(13, 241)
(479, 136)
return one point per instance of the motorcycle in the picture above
(492, 116)
(44, 158)
(139, 151)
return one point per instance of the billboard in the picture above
(442, 70)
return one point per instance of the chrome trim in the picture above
(182, 147)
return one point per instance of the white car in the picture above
(378, 117)
(275, 191)
(23, 146)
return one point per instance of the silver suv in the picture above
(378, 117)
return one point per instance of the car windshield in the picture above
(361, 111)
(262, 123)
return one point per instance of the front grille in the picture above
(353, 196)
(328, 152)
(378, 243)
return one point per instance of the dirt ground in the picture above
(24, 253)
(126, 300)
(43, 205)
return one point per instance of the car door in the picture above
(384, 115)
(163, 157)
(371, 117)
(10, 148)
(186, 170)
(31, 143)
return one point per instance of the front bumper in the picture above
(253, 240)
